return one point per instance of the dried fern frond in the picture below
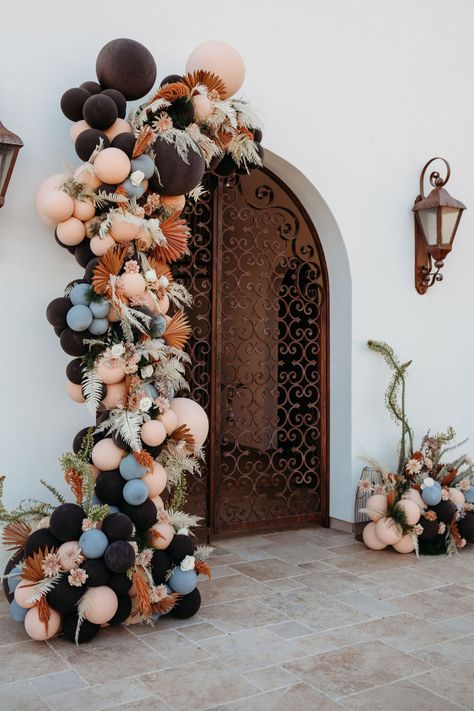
(176, 232)
(177, 331)
(211, 81)
(183, 434)
(14, 535)
(203, 552)
(145, 140)
(109, 264)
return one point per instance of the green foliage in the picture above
(53, 491)
(98, 513)
(27, 510)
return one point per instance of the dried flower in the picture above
(365, 485)
(117, 350)
(444, 494)
(442, 528)
(464, 484)
(462, 543)
(163, 123)
(145, 404)
(147, 371)
(427, 482)
(132, 267)
(137, 177)
(163, 281)
(418, 529)
(144, 558)
(77, 577)
(162, 403)
(150, 275)
(413, 466)
(430, 515)
(152, 204)
(187, 563)
(88, 524)
(51, 565)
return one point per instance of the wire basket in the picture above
(374, 475)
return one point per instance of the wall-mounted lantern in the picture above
(10, 145)
(437, 219)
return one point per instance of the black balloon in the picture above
(123, 610)
(74, 371)
(445, 511)
(97, 572)
(72, 342)
(56, 311)
(58, 331)
(117, 527)
(100, 111)
(119, 99)
(430, 529)
(180, 547)
(72, 102)
(79, 439)
(109, 487)
(119, 556)
(176, 176)
(161, 564)
(69, 248)
(64, 597)
(143, 516)
(181, 112)
(66, 522)
(128, 66)
(466, 526)
(171, 79)
(120, 583)
(227, 166)
(92, 87)
(88, 141)
(87, 630)
(41, 539)
(8, 568)
(187, 606)
(257, 134)
(83, 253)
(89, 271)
(124, 142)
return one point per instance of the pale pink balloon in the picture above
(170, 421)
(164, 304)
(222, 59)
(39, 630)
(191, 414)
(71, 231)
(370, 538)
(69, 554)
(77, 128)
(166, 534)
(148, 301)
(85, 174)
(124, 230)
(83, 210)
(406, 544)
(115, 392)
(387, 531)
(412, 511)
(51, 183)
(155, 480)
(95, 471)
(153, 433)
(58, 206)
(101, 604)
(159, 503)
(101, 245)
(106, 455)
(414, 495)
(75, 392)
(112, 166)
(132, 284)
(119, 126)
(456, 496)
(378, 505)
(110, 376)
(202, 106)
(175, 203)
(23, 594)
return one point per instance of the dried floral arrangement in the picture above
(124, 552)
(427, 505)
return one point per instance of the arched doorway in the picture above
(259, 355)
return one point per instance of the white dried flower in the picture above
(427, 482)
(117, 350)
(163, 281)
(183, 532)
(137, 177)
(188, 563)
(147, 371)
(150, 275)
(44, 523)
(145, 404)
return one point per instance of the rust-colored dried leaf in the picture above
(223, 138)
(110, 263)
(33, 565)
(154, 535)
(143, 594)
(449, 477)
(202, 568)
(145, 139)
(183, 434)
(144, 458)
(390, 498)
(211, 81)
(455, 534)
(166, 605)
(44, 611)
(247, 132)
(176, 232)
(74, 481)
(177, 331)
(14, 535)
(171, 92)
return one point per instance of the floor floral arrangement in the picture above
(427, 505)
(124, 551)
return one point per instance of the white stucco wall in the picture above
(356, 95)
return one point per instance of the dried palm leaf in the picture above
(145, 139)
(144, 458)
(211, 81)
(14, 535)
(143, 594)
(74, 480)
(171, 92)
(166, 604)
(110, 263)
(202, 568)
(456, 535)
(183, 434)
(176, 233)
(33, 565)
(44, 611)
(449, 477)
(223, 138)
(161, 268)
(177, 331)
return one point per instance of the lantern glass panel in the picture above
(6, 156)
(429, 220)
(449, 220)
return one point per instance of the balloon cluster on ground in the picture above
(124, 551)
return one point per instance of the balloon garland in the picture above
(123, 552)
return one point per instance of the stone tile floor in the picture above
(308, 619)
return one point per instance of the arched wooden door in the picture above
(259, 355)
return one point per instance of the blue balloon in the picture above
(79, 318)
(151, 390)
(113, 509)
(135, 492)
(133, 190)
(130, 468)
(157, 326)
(155, 616)
(81, 294)
(182, 581)
(99, 326)
(145, 164)
(17, 613)
(95, 501)
(469, 495)
(99, 309)
(15, 579)
(93, 543)
(431, 495)
(436, 483)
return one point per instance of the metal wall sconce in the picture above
(437, 219)
(10, 145)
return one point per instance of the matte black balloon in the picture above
(93, 87)
(88, 141)
(187, 606)
(120, 583)
(72, 102)
(176, 176)
(100, 111)
(119, 441)
(119, 556)
(445, 511)
(117, 527)
(56, 311)
(97, 572)
(89, 271)
(14, 560)
(64, 597)
(161, 564)
(72, 342)
(73, 283)
(79, 439)
(58, 331)
(87, 630)
(154, 451)
(66, 522)
(123, 610)
(171, 79)
(83, 253)
(128, 66)
(180, 547)
(67, 247)
(125, 142)
(74, 371)
(181, 112)
(257, 134)
(143, 516)
(109, 487)
(466, 527)
(119, 99)
(430, 529)
(41, 539)
(103, 416)
(227, 166)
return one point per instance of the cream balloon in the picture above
(456, 496)
(370, 539)
(414, 495)
(406, 544)
(222, 59)
(170, 421)
(119, 126)
(377, 505)
(115, 392)
(71, 232)
(58, 206)
(101, 604)
(112, 166)
(132, 284)
(106, 455)
(155, 480)
(23, 593)
(75, 392)
(77, 128)
(175, 203)
(124, 229)
(153, 433)
(51, 183)
(83, 210)
(41, 631)
(202, 106)
(159, 503)
(387, 531)
(69, 554)
(191, 414)
(163, 305)
(110, 376)
(165, 535)
(101, 245)
(85, 174)
(411, 509)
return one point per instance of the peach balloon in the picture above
(83, 210)
(133, 592)
(173, 202)
(406, 544)
(170, 421)
(155, 480)
(147, 300)
(75, 392)
(119, 126)
(124, 230)
(100, 604)
(78, 128)
(163, 304)
(153, 433)
(112, 166)
(106, 455)
(159, 503)
(69, 554)
(71, 231)
(110, 376)
(378, 505)
(202, 106)
(191, 414)
(58, 206)
(412, 511)
(95, 471)
(113, 315)
(23, 594)
(387, 531)
(222, 59)
(370, 538)
(42, 631)
(115, 392)
(101, 245)
(456, 496)
(85, 174)
(132, 284)
(414, 495)
(166, 535)
(51, 183)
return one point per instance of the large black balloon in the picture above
(181, 112)
(466, 526)
(74, 371)
(161, 564)
(41, 539)
(187, 606)
(445, 511)
(125, 142)
(120, 583)
(117, 527)
(56, 311)
(180, 547)
(430, 529)
(68, 247)
(87, 629)
(64, 597)
(100, 111)
(128, 66)
(119, 99)
(89, 270)
(8, 568)
(72, 102)
(109, 487)
(175, 176)
(72, 342)
(143, 516)
(119, 556)
(97, 572)
(83, 253)
(123, 610)
(88, 141)
(79, 439)
(66, 522)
